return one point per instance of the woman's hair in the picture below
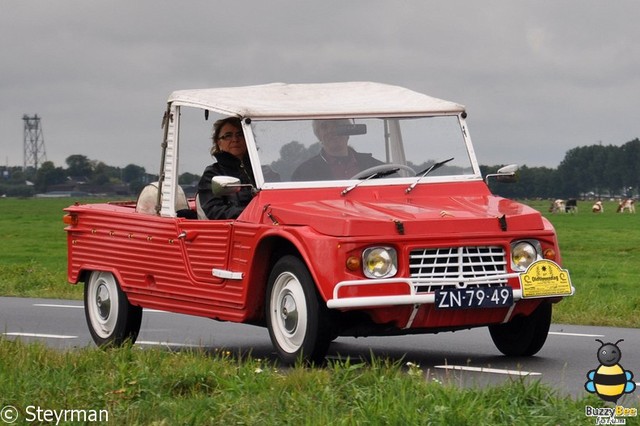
(217, 126)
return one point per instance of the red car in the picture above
(401, 236)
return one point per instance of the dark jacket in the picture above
(318, 168)
(229, 206)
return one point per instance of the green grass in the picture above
(602, 253)
(154, 386)
(33, 231)
(34, 256)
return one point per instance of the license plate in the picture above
(467, 298)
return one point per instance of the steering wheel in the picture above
(382, 168)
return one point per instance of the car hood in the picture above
(432, 215)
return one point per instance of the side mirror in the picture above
(506, 174)
(226, 185)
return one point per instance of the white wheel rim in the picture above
(102, 303)
(288, 312)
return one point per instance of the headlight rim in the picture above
(392, 263)
(537, 249)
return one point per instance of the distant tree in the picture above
(102, 174)
(596, 158)
(546, 183)
(48, 175)
(630, 162)
(292, 154)
(533, 182)
(188, 178)
(16, 190)
(79, 166)
(615, 170)
(603, 170)
(132, 173)
(135, 176)
(16, 176)
(595, 168)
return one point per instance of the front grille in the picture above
(457, 264)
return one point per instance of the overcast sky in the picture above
(537, 77)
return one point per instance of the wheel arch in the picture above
(266, 254)
(85, 272)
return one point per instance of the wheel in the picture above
(523, 336)
(296, 317)
(382, 168)
(112, 320)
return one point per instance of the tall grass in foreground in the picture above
(154, 386)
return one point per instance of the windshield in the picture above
(375, 148)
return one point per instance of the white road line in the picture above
(48, 305)
(48, 336)
(148, 342)
(560, 333)
(62, 336)
(489, 370)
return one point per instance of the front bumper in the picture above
(413, 297)
(416, 295)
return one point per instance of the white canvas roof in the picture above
(279, 100)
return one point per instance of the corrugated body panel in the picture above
(206, 245)
(156, 266)
(243, 245)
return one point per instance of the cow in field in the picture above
(628, 204)
(571, 206)
(557, 206)
(597, 207)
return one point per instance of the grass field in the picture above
(602, 252)
(155, 386)
(34, 256)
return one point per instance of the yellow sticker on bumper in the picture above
(545, 278)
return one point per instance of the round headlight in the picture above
(523, 254)
(379, 262)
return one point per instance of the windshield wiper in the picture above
(425, 172)
(371, 176)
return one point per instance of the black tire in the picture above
(112, 320)
(297, 317)
(523, 336)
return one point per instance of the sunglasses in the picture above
(230, 135)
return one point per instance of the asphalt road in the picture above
(468, 357)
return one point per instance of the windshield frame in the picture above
(341, 183)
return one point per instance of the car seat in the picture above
(148, 198)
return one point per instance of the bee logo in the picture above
(609, 381)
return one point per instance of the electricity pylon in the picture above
(34, 152)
